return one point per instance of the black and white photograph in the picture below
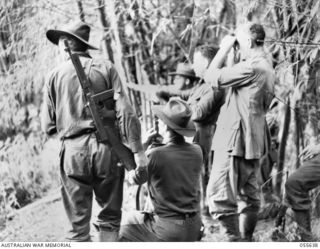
(159, 121)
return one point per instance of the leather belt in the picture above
(80, 133)
(180, 216)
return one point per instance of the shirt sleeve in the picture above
(167, 92)
(48, 114)
(238, 75)
(212, 100)
(128, 121)
(142, 174)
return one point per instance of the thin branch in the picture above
(177, 40)
(192, 31)
(81, 13)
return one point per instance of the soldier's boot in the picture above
(303, 219)
(231, 225)
(247, 224)
(107, 236)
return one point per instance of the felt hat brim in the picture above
(54, 35)
(188, 131)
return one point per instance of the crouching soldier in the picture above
(173, 175)
(298, 185)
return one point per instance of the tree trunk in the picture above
(297, 136)
(282, 149)
(142, 28)
(106, 27)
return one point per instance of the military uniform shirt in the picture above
(174, 178)
(241, 126)
(64, 111)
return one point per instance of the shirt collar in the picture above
(256, 53)
(175, 140)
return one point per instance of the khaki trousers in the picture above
(88, 167)
(233, 186)
(138, 226)
(299, 183)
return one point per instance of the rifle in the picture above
(154, 143)
(101, 106)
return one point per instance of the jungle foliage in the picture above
(145, 39)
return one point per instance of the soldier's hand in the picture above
(148, 207)
(310, 151)
(227, 42)
(162, 95)
(152, 136)
(140, 159)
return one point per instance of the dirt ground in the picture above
(45, 220)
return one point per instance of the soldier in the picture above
(87, 166)
(204, 102)
(183, 78)
(173, 176)
(240, 137)
(298, 185)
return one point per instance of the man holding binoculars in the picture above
(240, 139)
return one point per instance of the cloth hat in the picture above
(184, 69)
(176, 113)
(78, 30)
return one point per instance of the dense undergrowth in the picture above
(152, 41)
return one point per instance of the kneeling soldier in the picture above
(173, 175)
(298, 186)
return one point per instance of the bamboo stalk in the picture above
(142, 94)
(282, 148)
(297, 136)
(285, 16)
(118, 56)
(81, 12)
(150, 114)
(4, 66)
(192, 45)
(10, 29)
(276, 21)
(295, 11)
(106, 26)
(144, 113)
